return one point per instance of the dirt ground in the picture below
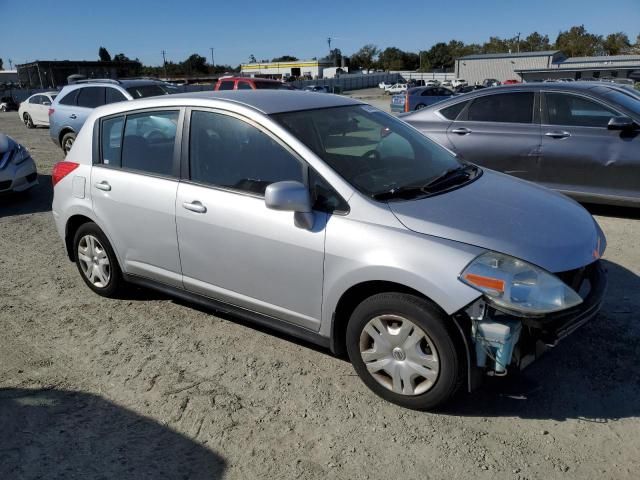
(148, 387)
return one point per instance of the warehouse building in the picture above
(52, 74)
(503, 66)
(311, 69)
(546, 65)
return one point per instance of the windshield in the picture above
(375, 152)
(629, 100)
(150, 90)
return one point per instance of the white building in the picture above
(503, 66)
(310, 68)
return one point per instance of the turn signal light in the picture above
(486, 282)
(61, 170)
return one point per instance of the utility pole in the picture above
(10, 65)
(518, 42)
(164, 63)
(212, 62)
(329, 42)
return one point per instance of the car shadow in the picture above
(612, 211)
(37, 199)
(591, 376)
(51, 433)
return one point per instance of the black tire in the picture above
(28, 121)
(3, 109)
(420, 107)
(432, 321)
(115, 282)
(67, 142)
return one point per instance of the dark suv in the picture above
(75, 102)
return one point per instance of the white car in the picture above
(459, 82)
(432, 83)
(397, 88)
(447, 83)
(384, 85)
(34, 110)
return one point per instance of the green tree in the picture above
(534, 42)
(391, 58)
(104, 54)
(616, 43)
(285, 58)
(577, 42)
(195, 64)
(365, 57)
(121, 57)
(496, 45)
(252, 59)
(440, 57)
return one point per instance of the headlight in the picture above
(517, 286)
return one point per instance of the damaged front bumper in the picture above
(498, 342)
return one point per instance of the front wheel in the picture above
(96, 260)
(67, 142)
(401, 348)
(28, 121)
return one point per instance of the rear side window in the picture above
(228, 152)
(111, 140)
(114, 95)
(142, 91)
(228, 85)
(516, 107)
(37, 100)
(148, 142)
(452, 112)
(69, 98)
(268, 85)
(575, 111)
(91, 97)
(244, 86)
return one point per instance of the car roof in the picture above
(265, 101)
(250, 79)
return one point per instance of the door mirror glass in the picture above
(291, 196)
(620, 123)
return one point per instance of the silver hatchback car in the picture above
(327, 219)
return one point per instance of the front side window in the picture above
(70, 98)
(142, 91)
(269, 85)
(226, 85)
(36, 100)
(244, 86)
(378, 154)
(575, 111)
(228, 152)
(91, 97)
(148, 142)
(516, 107)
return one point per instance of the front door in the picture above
(232, 247)
(579, 153)
(134, 186)
(499, 131)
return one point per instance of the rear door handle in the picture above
(104, 185)
(73, 116)
(461, 131)
(195, 206)
(558, 134)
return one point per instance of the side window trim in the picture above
(177, 145)
(185, 170)
(544, 112)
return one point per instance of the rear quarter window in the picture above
(69, 98)
(452, 112)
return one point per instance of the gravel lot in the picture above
(149, 387)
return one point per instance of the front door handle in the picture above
(461, 131)
(195, 206)
(558, 134)
(103, 185)
(73, 116)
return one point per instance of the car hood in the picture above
(511, 216)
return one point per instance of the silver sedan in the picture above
(17, 169)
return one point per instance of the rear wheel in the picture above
(28, 121)
(400, 346)
(420, 107)
(96, 261)
(67, 142)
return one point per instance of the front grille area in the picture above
(5, 185)
(31, 177)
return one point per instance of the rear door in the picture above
(579, 153)
(133, 184)
(500, 131)
(36, 109)
(88, 98)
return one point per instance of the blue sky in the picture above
(236, 29)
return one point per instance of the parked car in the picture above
(327, 219)
(447, 84)
(397, 88)
(419, 97)
(34, 110)
(17, 169)
(511, 82)
(316, 88)
(459, 82)
(468, 88)
(490, 82)
(432, 83)
(74, 103)
(583, 140)
(384, 85)
(249, 83)
(416, 83)
(8, 104)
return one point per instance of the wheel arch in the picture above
(63, 132)
(74, 222)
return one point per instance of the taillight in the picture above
(406, 102)
(51, 110)
(61, 170)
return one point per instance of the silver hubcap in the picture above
(68, 144)
(399, 355)
(94, 261)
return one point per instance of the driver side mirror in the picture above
(46, 103)
(620, 123)
(291, 196)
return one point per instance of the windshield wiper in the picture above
(463, 172)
